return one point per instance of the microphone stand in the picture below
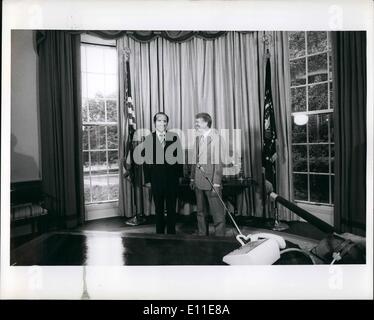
(277, 225)
(220, 198)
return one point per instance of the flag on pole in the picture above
(129, 105)
(269, 153)
(131, 128)
(132, 170)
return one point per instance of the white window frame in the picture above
(104, 208)
(323, 210)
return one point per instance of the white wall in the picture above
(25, 156)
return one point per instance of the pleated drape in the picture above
(349, 73)
(61, 127)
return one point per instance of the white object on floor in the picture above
(263, 249)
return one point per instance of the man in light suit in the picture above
(207, 164)
(162, 171)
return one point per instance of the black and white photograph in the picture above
(140, 152)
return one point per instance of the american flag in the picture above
(130, 116)
(130, 172)
(129, 105)
(269, 154)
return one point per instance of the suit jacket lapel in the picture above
(168, 141)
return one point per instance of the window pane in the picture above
(87, 196)
(298, 96)
(330, 65)
(319, 158)
(324, 120)
(111, 110)
(96, 110)
(84, 110)
(110, 86)
(112, 137)
(99, 188)
(95, 59)
(300, 186)
(318, 97)
(95, 85)
(113, 187)
(332, 157)
(85, 137)
(331, 96)
(318, 128)
(296, 42)
(97, 137)
(331, 123)
(110, 57)
(86, 162)
(299, 158)
(317, 41)
(113, 160)
(317, 68)
(297, 72)
(84, 85)
(319, 188)
(298, 133)
(83, 59)
(98, 162)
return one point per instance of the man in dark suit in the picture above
(162, 170)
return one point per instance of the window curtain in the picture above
(349, 72)
(224, 77)
(60, 123)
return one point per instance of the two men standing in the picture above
(163, 170)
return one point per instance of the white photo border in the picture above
(183, 282)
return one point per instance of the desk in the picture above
(232, 190)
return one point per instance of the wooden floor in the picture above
(186, 225)
(112, 242)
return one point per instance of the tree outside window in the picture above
(99, 122)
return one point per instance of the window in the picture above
(99, 122)
(312, 121)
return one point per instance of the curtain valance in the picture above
(142, 36)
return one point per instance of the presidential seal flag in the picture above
(269, 153)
